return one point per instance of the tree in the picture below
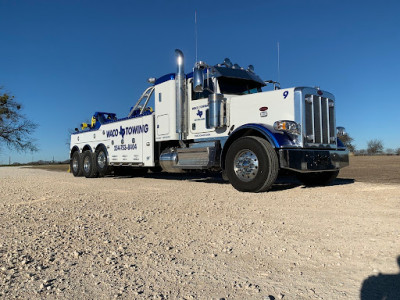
(347, 141)
(15, 128)
(361, 152)
(390, 151)
(374, 146)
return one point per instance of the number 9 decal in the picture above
(285, 94)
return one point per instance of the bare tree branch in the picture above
(15, 128)
(374, 146)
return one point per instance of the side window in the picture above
(208, 88)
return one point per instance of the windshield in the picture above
(238, 86)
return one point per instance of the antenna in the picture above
(195, 30)
(279, 72)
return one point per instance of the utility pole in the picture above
(9, 160)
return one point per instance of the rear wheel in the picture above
(317, 178)
(251, 164)
(89, 164)
(76, 164)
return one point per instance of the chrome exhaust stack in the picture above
(181, 103)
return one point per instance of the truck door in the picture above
(198, 110)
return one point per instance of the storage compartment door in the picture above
(163, 124)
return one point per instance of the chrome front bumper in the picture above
(306, 160)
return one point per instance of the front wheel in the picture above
(251, 164)
(317, 178)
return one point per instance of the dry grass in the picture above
(57, 167)
(375, 169)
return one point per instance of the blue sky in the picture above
(64, 60)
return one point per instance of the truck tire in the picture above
(317, 178)
(102, 161)
(76, 164)
(89, 164)
(251, 164)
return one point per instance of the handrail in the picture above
(146, 94)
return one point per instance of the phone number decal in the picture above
(125, 147)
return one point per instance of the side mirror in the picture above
(198, 80)
(340, 131)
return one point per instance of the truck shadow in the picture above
(338, 181)
(279, 185)
(194, 177)
(343, 181)
(283, 182)
(381, 286)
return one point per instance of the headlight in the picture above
(288, 126)
(340, 131)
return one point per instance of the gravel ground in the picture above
(163, 237)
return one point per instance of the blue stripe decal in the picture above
(165, 78)
(277, 139)
(171, 76)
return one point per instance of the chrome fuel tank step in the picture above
(196, 156)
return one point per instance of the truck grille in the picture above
(319, 121)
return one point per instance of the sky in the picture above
(64, 60)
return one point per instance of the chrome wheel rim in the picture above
(101, 160)
(86, 164)
(246, 165)
(75, 164)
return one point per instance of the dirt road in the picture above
(164, 237)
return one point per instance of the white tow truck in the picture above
(217, 118)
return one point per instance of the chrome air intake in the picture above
(216, 110)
